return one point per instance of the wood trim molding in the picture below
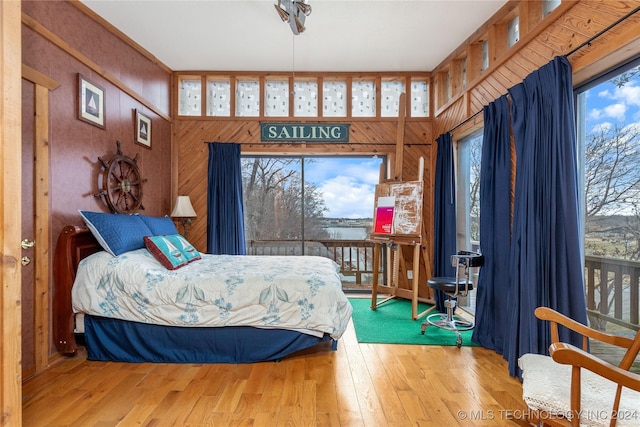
(53, 38)
(41, 228)
(36, 77)
(10, 212)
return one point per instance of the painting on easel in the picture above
(407, 212)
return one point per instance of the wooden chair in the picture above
(574, 388)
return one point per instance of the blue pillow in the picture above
(159, 226)
(172, 251)
(116, 233)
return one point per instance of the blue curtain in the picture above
(444, 216)
(546, 258)
(225, 214)
(491, 318)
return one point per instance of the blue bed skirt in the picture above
(121, 341)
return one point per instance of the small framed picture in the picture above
(91, 102)
(143, 129)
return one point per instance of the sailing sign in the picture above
(304, 132)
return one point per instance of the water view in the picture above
(347, 233)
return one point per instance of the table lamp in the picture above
(183, 212)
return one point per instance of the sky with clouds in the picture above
(609, 110)
(609, 105)
(346, 183)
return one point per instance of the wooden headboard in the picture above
(74, 244)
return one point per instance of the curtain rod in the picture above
(580, 46)
(465, 120)
(601, 32)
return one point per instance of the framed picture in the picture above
(143, 129)
(90, 102)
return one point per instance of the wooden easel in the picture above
(407, 230)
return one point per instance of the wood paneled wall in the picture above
(570, 25)
(366, 138)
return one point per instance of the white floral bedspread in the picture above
(302, 293)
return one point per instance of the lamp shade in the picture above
(183, 208)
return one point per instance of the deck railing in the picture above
(612, 287)
(355, 257)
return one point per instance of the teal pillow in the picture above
(116, 233)
(187, 249)
(173, 251)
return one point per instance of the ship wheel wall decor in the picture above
(121, 183)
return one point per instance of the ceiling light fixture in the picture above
(294, 12)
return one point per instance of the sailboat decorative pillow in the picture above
(172, 251)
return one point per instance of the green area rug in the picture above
(391, 323)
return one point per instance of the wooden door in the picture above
(27, 232)
(35, 239)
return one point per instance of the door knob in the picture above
(25, 260)
(26, 243)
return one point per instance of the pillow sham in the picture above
(159, 225)
(173, 251)
(116, 233)
(185, 247)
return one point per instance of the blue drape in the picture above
(225, 215)
(444, 216)
(495, 235)
(546, 259)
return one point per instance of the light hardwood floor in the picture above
(357, 385)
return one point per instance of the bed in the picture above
(129, 307)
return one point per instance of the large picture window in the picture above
(608, 130)
(312, 206)
(468, 156)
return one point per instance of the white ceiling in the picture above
(341, 35)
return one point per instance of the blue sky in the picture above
(607, 108)
(347, 184)
(608, 105)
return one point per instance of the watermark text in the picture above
(523, 414)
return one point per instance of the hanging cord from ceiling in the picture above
(293, 64)
(577, 48)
